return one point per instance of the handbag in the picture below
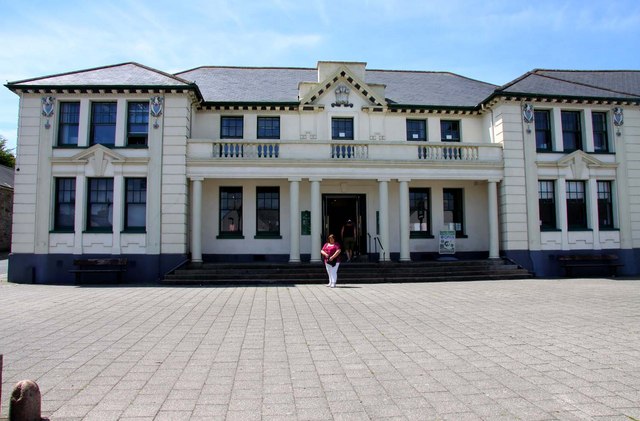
(332, 262)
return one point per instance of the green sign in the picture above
(305, 222)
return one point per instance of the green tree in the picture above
(7, 158)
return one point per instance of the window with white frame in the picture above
(68, 123)
(571, 131)
(103, 123)
(65, 204)
(100, 204)
(543, 131)
(135, 205)
(267, 211)
(230, 211)
(420, 212)
(605, 205)
(547, 204)
(576, 206)
(600, 132)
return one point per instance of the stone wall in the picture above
(6, 211)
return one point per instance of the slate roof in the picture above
(118, 75)
(6, 177)
(610, 84)
(218, 84)
(268, 85)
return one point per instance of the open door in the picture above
(337, 210)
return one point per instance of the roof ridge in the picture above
(247, 67)
(93, 69)
(71, 72)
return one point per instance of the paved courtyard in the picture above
(503, 350)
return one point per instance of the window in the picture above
(417, 130)
(231, 211)
(103, 123)
(68, 123)
(450, 130)
(342, 128)
(419, 212)
(605, 205)
(100, 204)
(453, 211)
(571, 131)
(65, 204)
(547, 204)
(137, 123)
(268, 127)
(543, 130)
(268, 211)
(232, 127)
(135, 205)
(576, 206)
(600, 136)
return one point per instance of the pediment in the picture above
(98, 157)
(343, 78)
(579, 162)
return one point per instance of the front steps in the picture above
(353, 272)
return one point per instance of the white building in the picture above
(260, 164)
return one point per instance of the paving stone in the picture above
(498, 350)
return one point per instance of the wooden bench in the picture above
(571, 261)
(117, 266)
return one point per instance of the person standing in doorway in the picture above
(349, 234)
(330, 252)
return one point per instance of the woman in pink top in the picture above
(330, 252)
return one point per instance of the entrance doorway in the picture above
(337, 209)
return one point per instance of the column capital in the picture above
(294, 179)
(405, 179)
(494, 180)
(315, 178)
(196, 178)
(383, 180)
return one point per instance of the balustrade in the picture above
(357, 151)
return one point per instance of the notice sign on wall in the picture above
(447, 242)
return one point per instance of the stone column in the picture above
(492, 197)
(316, 220)
(294, 218)
(196, 221)
(405, 254)
(383, 187)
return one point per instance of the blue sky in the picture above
(492, 40)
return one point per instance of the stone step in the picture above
(353, 272)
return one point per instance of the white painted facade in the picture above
(186, 162)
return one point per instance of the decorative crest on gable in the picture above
(347, 83)
(342, 97)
